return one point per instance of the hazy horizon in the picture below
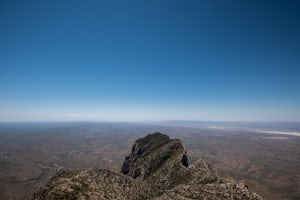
(143, 121)
(144, 61)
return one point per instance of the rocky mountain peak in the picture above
(149, 153)
(156, 168)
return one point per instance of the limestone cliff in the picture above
(157, 168)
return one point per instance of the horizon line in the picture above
(144, 121)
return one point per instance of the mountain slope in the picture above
(156, 168)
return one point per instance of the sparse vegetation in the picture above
(30, 155)
(163, 176)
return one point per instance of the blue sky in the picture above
(150, 60)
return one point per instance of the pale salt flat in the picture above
(294, 133)
(279, 132)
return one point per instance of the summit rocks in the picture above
(156, 168)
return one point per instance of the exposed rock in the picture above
(156, 168)
(150, 153)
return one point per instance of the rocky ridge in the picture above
(157, 168)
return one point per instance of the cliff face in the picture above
(156, 168)
(150, 153)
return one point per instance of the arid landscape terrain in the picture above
(81, 81)
(31, 153)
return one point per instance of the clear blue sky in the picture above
(150, 60)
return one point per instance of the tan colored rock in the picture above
(157, 168)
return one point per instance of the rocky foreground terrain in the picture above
(157, 168)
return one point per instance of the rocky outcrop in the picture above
(156, 168)
(148, 154)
